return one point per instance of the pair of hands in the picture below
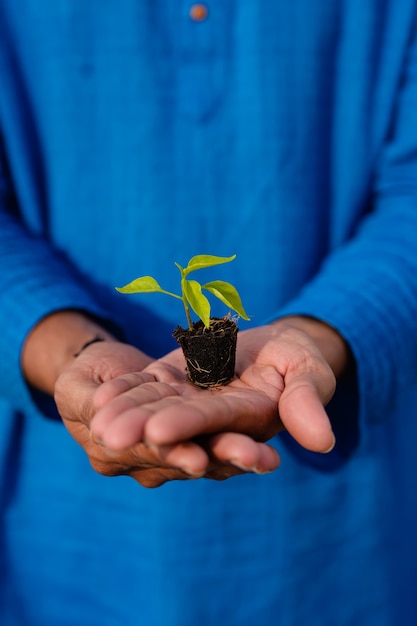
(143, 418)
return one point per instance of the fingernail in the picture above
(331, 447)
(96, 439)
(241, 466)
(151, 446)
(260, 472)
(112, 453)
(253, 469)
(191, 472)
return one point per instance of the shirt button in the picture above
(198, 12)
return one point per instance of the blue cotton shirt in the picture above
(133, 137)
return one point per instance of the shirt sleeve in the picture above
(35, 280)
(367, 289)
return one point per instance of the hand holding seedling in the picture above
(143, 418)
(49, 364)
(285, 376)
(77, 390)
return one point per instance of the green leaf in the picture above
(197, 300)
(206, 260)
(228, 295)
(144, 284)
(141, 285)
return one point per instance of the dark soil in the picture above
(209, 352)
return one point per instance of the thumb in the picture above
(73, 395)
(302, 412)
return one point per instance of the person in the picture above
(138, 135)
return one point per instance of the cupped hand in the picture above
(282, 381)
(107, 365)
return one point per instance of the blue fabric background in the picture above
(132, 137)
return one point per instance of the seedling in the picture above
(208, 330)
(192, 295)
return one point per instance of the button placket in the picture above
(198, 12)
(201, 51)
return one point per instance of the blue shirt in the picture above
(133, 137)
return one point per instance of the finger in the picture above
(227, 410)
(186, 456)
(243, 452)
(126, 431)
(119, 423)
(112, 388)
(303, 415)
(149, 467)
(73, 395)
(155, 477)
(118, 433)
(171, 370)
(141, 464)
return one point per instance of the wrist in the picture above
(332, 345)
(53, 344)
(95, 339)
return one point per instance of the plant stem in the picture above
(187, 313)
(184, 299)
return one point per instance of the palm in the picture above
(281, 381)
(111, 375)
(172, 409)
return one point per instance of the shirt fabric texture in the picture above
(131, 137)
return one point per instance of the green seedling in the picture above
(192, 295)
